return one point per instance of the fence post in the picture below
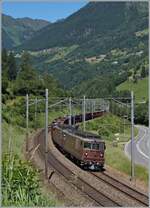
(27, 123)
(46, 133)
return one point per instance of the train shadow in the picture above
(94, 170)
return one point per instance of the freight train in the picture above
(84, 148)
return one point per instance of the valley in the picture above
(66, 71)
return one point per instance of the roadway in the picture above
(141, 146)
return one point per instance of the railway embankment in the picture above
(63, 189)
(73, 193)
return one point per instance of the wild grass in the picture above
(13, 139)
(116, 158)
(20, 184)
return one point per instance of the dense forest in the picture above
(22, 78)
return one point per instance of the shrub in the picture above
(20, 183)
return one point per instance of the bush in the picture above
(20, 184)
(103, 131)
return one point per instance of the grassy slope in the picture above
(15, 134)
(114, 155)
(140, 88)
(14, 138)
(109, 125)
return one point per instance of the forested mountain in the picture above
(102, 42)
(97, 22)
(15, 31)
(91, 52)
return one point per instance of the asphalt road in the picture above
(141, 147)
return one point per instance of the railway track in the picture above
(128, 190)
(98, 197)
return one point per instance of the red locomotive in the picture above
(84, 148)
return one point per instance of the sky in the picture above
(51, 11)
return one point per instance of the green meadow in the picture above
(140, 88)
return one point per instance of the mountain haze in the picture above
(16, 30)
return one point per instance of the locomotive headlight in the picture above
(86, 154)
(101, 154)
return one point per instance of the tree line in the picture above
(140, 114)
(19, 78)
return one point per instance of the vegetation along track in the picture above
(99, 198)
(128, 190)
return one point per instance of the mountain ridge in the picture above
(93, 20)
(18, 30)
(107, 40)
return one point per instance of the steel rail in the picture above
(93, 193)
(128, 190)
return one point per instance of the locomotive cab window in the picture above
(102, 146)
(95, 146)
(87, 145)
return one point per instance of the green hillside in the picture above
(102, 39)
(97, 26)
(140, 88)
(93, 50)
(16, 30)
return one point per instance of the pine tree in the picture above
(4, 56)
(27, 79)
(25, 61)
(143, 72)
(12, 68)
(4, 71)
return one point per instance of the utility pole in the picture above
(35, 114)
(132, 136)
(73, 114)
(89, 105)
(84, 112)
(92, 107)
(70, 112)
(27, 123)
(46, 133)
